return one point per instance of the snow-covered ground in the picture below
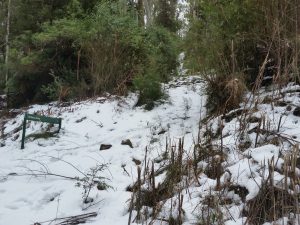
(29, 195)
(49, 178)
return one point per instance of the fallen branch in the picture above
(70, 220)
(284, 136)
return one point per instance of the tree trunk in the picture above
(78, 64)
(140, 9)
(148, 4)
(7, 40)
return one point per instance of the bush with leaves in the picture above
(219, 35)
(256, 39)
(237, 36)
(52, 56)
(103, 50)
(115, 48)
(160, 65)
(149, 88)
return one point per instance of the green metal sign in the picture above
(38, 118)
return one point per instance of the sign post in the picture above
(38, 118)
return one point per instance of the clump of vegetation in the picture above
(227, 38)
(91, 48)
(149, 88)
(224, 93)
(271, 204)
(160, 65)
(153, 198)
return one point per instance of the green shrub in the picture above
(115, 48)
(149, 88)
(218, 30)
(239, 35)
(79, 54)
(159, 66)
(163, 52)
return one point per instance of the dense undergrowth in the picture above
(92, 48)
(242, 169)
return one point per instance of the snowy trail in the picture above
(26, 199)
(27, 195)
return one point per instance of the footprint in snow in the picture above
(46, 188)
(23, 200)
(49, 198)
(12, 207)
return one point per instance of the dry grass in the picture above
(270, 204)
(277, 200)
(224, 93)
(155, 195)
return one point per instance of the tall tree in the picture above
(165, 14)
(140, 10)
(7, 39)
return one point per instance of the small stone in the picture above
(153, 140)
(136, 161)
(161, 132)
(2, 144)
(88, 200)
(101, 187)
(105, 147)
(253, 119)
(80, 120)
(280, 103)
(288, 108)
(12, 174)
(296, 111)
(127, 142)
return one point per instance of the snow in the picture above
(29, 193)
(26, 198)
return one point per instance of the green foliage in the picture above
(229, 37)
(163, 51)
(72, 29)
(115, 47)
(52, 90)
(76, 48)
(238, 35)
(219, 45)
(149, 88)
(214, 28)
(166, 15)
(161, 62)
(50, 53)
(146, 56)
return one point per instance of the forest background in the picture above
(73, 49)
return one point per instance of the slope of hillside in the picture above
(33, 183)
(238, 168)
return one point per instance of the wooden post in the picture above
(24, 130)
(59, 125)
